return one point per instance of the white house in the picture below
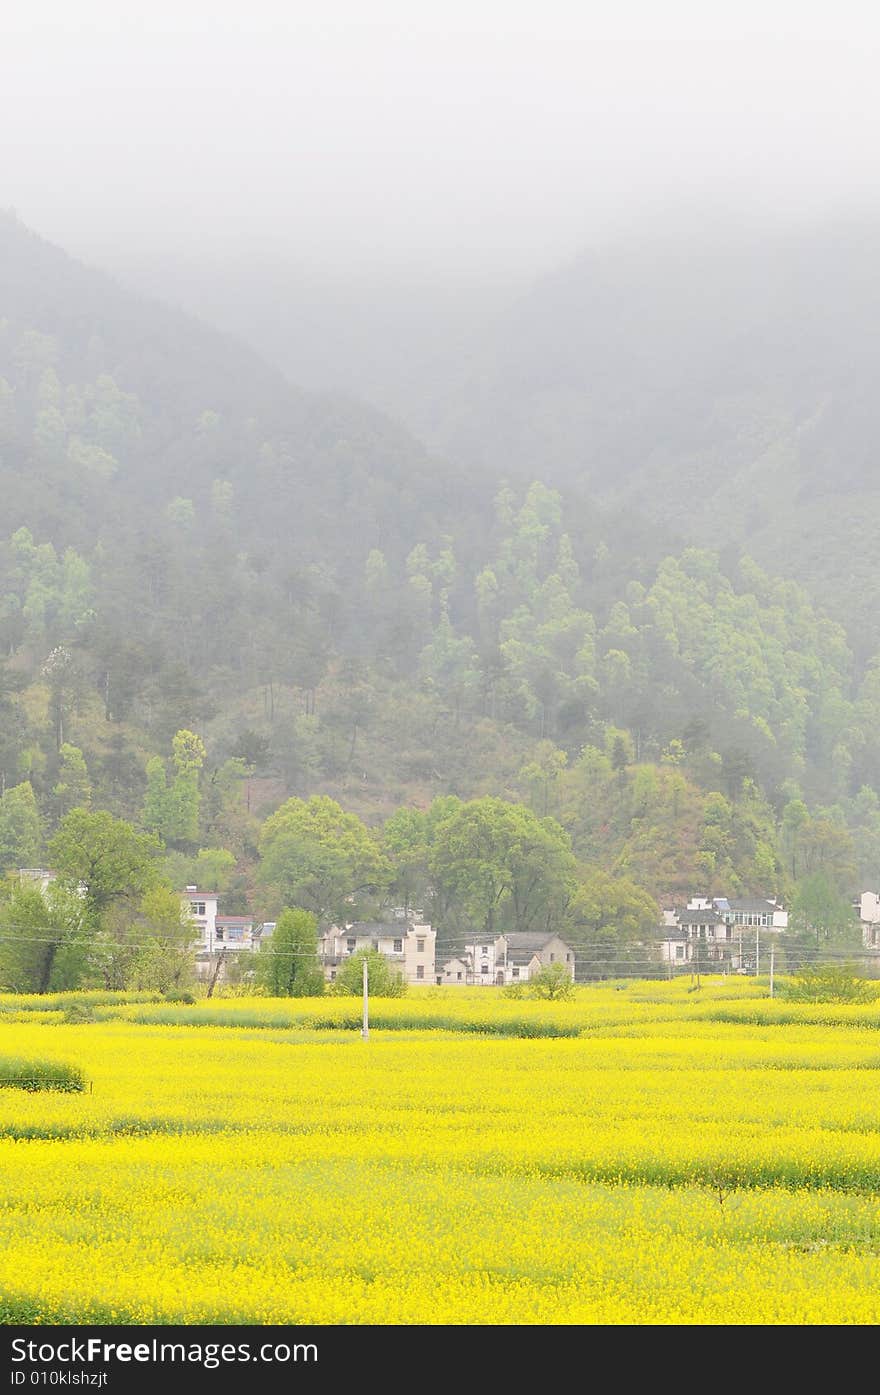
(707, 935)
(456, 970)
(511, 958)
(409, 947)
(522, 948)
(217, 935)
(202, 907)
(868, 910)
(483, 959)
(235, 932)
(721, 930)
(754, 911)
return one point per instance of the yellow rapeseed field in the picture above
(636, 1155)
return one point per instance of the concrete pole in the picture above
(365, 1031)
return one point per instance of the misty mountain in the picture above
(117, 406)
(723, 386)
(726, 391)
(190, 542)
(386, 338)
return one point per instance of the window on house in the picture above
(420, 971)
(568, 958)
(398, 946)
(552, 958)
(515, 971)
(420, 946)
(197, 907)
(218, 934)
(458, 976)
(351, 945)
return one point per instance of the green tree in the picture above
(383, 980)
(46, 941)
(609, 921)
(172, 810)
(155, 812)
(164, 958)
(320, 857)
(287, 964)
(213, 868)
(506, 868)
(406, 837)
(820, 919)
(104, 857)
(188, 755)
(73, 788)
(20, 828)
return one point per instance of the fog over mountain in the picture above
(596, 535)
(425, 139)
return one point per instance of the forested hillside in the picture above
(219, 592)
(720, 384)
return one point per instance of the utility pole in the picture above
(365, 1030)
(218, 965)
(757, 950)
(772, 959)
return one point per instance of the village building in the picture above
(218, 936)
(514, 957)
(867, 908)
(720, 931)
(408, 946)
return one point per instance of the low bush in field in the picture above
(828, 983)
(20, 1074)
(64, 1002)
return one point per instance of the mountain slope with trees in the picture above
(219, 594)
(719, 383)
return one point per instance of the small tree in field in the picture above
(553, 981)
(383, 981)
(287, 965)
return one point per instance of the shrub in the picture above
(17, 1074)
(383, 981)
(553, 981)
(828, 983)
(514, 990)
(80, 1012)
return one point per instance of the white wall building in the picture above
(409, 947)
(217, 935)
(511, 958)
(868, 908)
(723, 931)
(202, 906)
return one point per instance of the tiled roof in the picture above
(523, 939)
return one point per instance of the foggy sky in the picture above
(364, 133)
